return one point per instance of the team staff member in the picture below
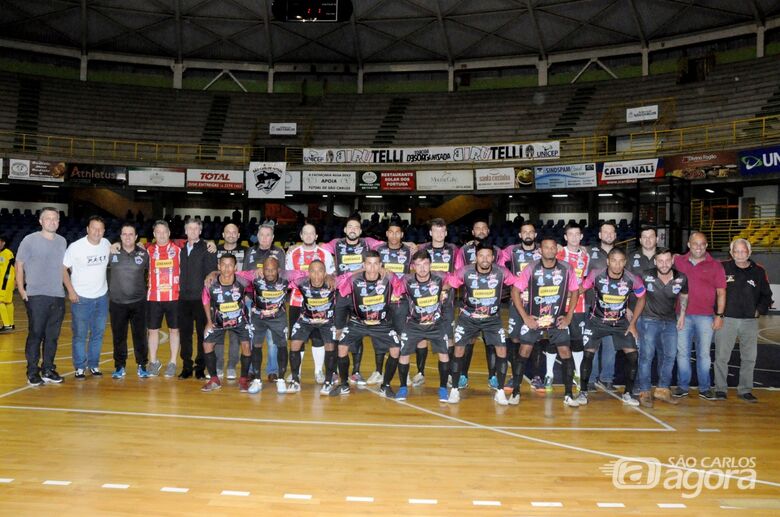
(39, 281)
(230, 236)
(551, 285)
(84, 275)
(748, 296)
(127, 301)
(7, 285)
(665, 288)
(644, 258)
(196, 262)
(608, 317)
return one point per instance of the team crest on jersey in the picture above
(138, 260)
(676, 288)
(380, 288)
(114, 259)
(651, 288)
(636, 263)
(492, 282)
(595, 255)
(235, 295)
(433, 289)
(729, 278)
(622, 289)
(557, 277)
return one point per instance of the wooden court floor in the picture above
(161, 447)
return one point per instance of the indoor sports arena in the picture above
(278, 256)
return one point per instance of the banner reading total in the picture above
(215, 179)
(441, 154)
(266, 180)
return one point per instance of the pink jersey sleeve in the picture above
(294, 275)
(344, 284)
(330, 247)
(205, 296)
(574, 284)
(639, 286)
(505, 256)
(509, 278)
(455, 279)
(525, 277)
(460, 259)
(246, 275)
(373, 243)
(399, 286)
(588, 282)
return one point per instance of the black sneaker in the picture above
(720, 395)
(342, 389)
(95, 372)
(679, 393)
(80, 374)
(185, 374)
(34, 380)
(592, 387)
(200, 374)
(748, 397)
(708, 395)
(51, 376)
(387, 391)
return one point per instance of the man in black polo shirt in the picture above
(658, 326)
(643, 258)
(127, 301)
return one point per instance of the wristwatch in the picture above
(719, 315)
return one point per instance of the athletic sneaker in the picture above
(231, 374)
(51, 377)
(708, 395)
(119, 373)
(294, 387)
(95, 372)
(243, 385)
(500, 398)
(493, 383)
(141, 372)
(679, 393)
(720, 395)
(154, 368)
(514, 400)
(326, 387)
(219, 372)
(281, 386)
(212, 385)
(255, 386)
(337, 390)
(402, 393)
(537, 383)
(449, 381)
(443, 395)
(358, 379)
(80, 374)
(748, 397)
(319, 377)
(418, 380)
(387, 391)
(582, 399)
(374, 378)
(170, 370)
(454, 397)
(629, 400)
(288, 379)
(571, 401)
(548, 381)
(34, 380)
(464, 382)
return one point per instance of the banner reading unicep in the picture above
(765, 160)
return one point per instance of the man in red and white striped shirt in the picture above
(298, 259)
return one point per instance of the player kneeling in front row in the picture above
(425, 293)
(223, 302)
(549, 283)
(608, 317)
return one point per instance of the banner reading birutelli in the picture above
(440, 154)
(445, 180)
(215, 179)
(266, 180)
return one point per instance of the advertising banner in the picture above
(765, 160)
(215, 179)
(445, 180)
(283, 128)
(292, 181)
(96, 174)
(566, 176)
(266, 180)
(369, 181)
(703, 165)
(36, 170)
(328, 181)
(157, 177)
(495, 179)
(398, 181)
(630, 171)
(642, 113)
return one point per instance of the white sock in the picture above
(318, 353)
(577, 361)
(550, 364)
(301, 367)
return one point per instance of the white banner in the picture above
(328, 181)
(628, 171)
(565, 176)
(266, 180)
(36, 170)
(283, 128)
(440, 154)
(445, 180)
(642, 113)
(492, 179)
(292, 181)
(157, 177)
(215, 179)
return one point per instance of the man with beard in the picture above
(480, 314)
(230, 235)
(549, 285)
(644, 258)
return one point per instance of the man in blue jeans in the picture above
(707, 284)
(84, 275)
(658, 326)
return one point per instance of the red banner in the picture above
(397, 181)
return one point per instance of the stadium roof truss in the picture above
(381, 36)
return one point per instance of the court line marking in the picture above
(56, 482)
(671, 505)
(302, 497)
(324, 422)
(423, 501)
(235, 493)
(580, 449)
(547, 504)
(610, 505)
(174, 490)
(707, 430)
(359, 499)
(486, 503)
(28, 387)
(6, 480)
(117, 486)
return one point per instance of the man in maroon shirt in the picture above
(706, 285)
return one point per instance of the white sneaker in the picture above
(256, 386)
(281, 386)
(294, 387)
(418, 380)
(288, 379)
(454, 396)
(629, 400)
(326, 387)
(219, 374)
(449, 381)
(319, 377)
(514, 400)
(231, 374)
(375, 378)
(582, 399)
(570, 401)
(500, 398)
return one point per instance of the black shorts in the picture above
(577, 330)
(514, 323)
(294, 313)
(595, 331)
(303, 330)
(383, 336)
(436, 334)
(555, 336)
(467, 329)
(155, 312)
(399, 312)
(216, 335)
(276, 326)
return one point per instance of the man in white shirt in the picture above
(84, 276)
